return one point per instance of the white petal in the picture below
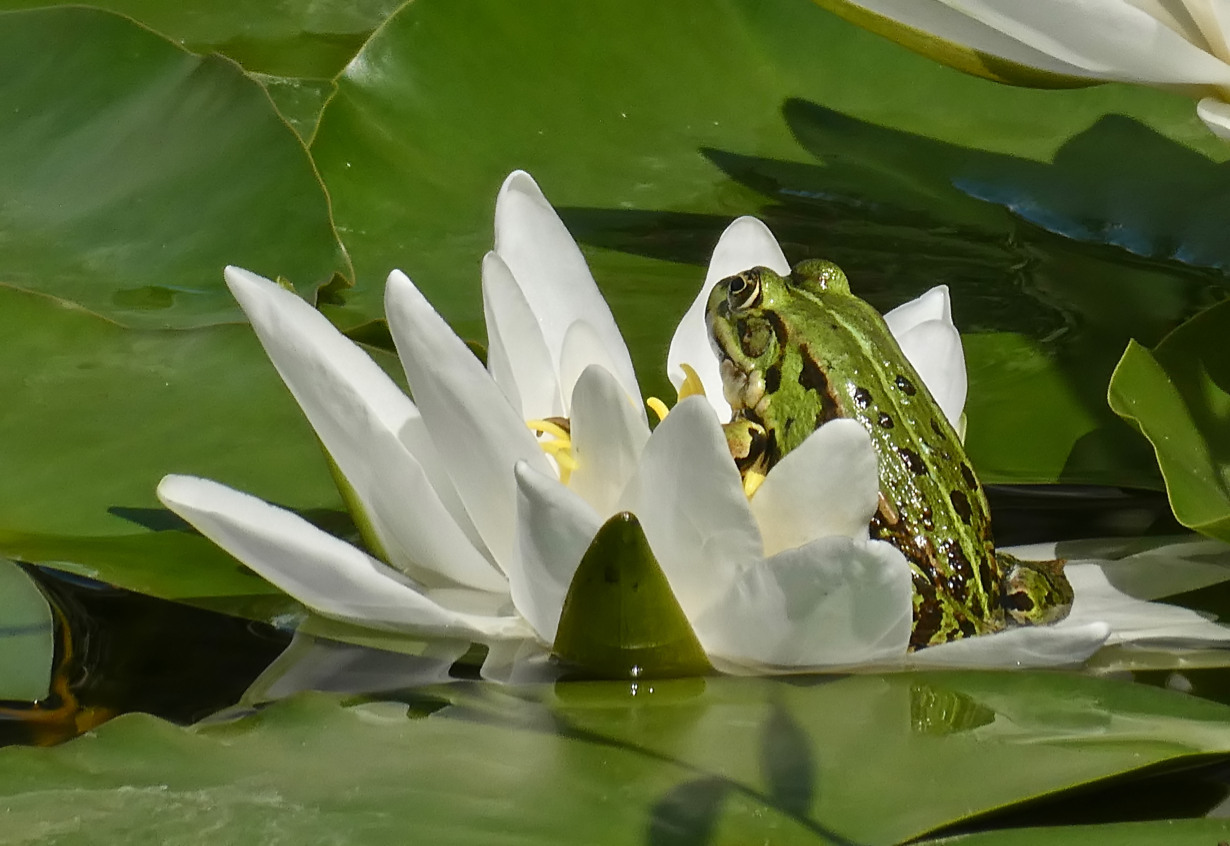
(935, 304)
(517, 354)
(608, 434)
(555, 528)
(324, 573)
(477, 432)
(829, 485)
(934, 348)
(1133, 619)
(832, 603)
(1216, 116)
(689, 498)
(935, 17)
(372, 431)
(745, 244)
(1108, 38)
(549, 268)
(1027, 646)
(583, 349)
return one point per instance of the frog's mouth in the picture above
(742, 388)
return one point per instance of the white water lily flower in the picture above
(475, 533)
(1182, 45)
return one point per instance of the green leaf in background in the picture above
(293, 38)
(620, 618)
(1169, 832)
(95, 415)
(27, 637)
(1178, 396)
(637, 130)
(683, 761)
(134, 172)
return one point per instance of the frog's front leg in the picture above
(748, 444)
(1036, 593)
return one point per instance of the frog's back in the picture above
(931, 506)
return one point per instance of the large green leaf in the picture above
(27, 638)
(97, 414)
(1178, 396)
(1170, 832)
(134, 172)
(687, 761)
(295, 38)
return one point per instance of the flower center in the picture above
(559, 446)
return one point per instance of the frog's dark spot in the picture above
(779, 327)
(935, 427)
(906, 386)
(928, 616)
(968, 475)
(960, 504)
(1018, 601)
(928, 518)
(773, 378)
(812, 378)
(914, 462)
(990, 579)
(787, 426)
(967, 627)
(885, 421)
(862, 397)
(772, 450)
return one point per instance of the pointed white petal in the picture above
(477, 432)
(517, 354)
(582, 350)
(832, 603)
(1108, 38)
(689, 498)
(549, 268)
(1028, 646)
(519, 662)
(935, 304)
(1216, 116)
(745, 244)
(324, 573)
(934, 348)
(372, 431)
(829, 485)
(555, 527)
(1133, 619)
(608, 434)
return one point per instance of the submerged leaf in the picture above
(621, 619)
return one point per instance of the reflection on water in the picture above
(118, 652)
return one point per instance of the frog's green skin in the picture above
(799, 351)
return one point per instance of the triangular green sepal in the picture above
(620, 619)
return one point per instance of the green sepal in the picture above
(620, 618)
(350, 498)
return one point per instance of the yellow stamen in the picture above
(751, 482)
(691, 383)
(560, 448)
(657, 407)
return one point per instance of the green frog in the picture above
(801, 350)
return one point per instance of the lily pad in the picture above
(301, 38)
(1178, 396)
(27, 638)
(100, 413)
(135, 171)
(690, 760)
(1170, 832)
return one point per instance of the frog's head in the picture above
(748, 332)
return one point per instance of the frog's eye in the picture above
(743, 290)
